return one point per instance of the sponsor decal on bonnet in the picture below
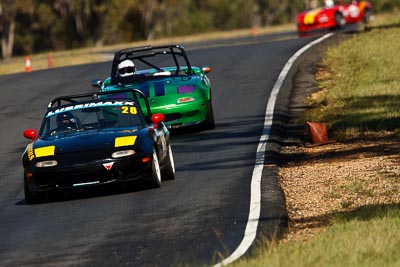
(90, 105)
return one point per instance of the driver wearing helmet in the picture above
(66, 121)
(126, 68)
(329, 3)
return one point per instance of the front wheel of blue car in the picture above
(155, 177)
(30, 197)
(168, 172)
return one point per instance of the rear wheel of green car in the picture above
(209, 123)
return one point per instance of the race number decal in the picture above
(129, 110)
(31, 155)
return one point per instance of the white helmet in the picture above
(126, 68)
(329, 3)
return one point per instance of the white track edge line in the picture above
(255, 194)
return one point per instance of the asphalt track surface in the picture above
(200, 217)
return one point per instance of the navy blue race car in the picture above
(95, 139)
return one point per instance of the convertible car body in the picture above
(174, 87)
(95, 139)
(335, 16)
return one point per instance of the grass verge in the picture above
(365, 237)
(360, 86)
(358, 97)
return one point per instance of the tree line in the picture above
(31, 26)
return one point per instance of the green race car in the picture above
(164, 74)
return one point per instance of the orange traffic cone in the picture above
(254, 32)
(28, 64)
(50, 61)
(318, 132)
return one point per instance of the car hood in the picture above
(318, 11)
(83, 142)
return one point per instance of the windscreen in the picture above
(91, 117)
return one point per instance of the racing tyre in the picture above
(339, 21)
(168, 172)
(368, 17)
(209, 123)
(155, 177)
(30, 197)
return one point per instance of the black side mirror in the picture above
(96, 83)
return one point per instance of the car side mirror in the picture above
(206, 69)
(96, 83)
(157, 118)
(30, 134)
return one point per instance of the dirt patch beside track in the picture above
(339, 177)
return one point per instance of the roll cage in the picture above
(144, 53)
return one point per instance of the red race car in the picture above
(334, 15)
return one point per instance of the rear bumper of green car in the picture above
(183, 115)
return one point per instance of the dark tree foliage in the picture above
(31, 26)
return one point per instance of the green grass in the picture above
(358, 187)
(363, 85)
(364, 237)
